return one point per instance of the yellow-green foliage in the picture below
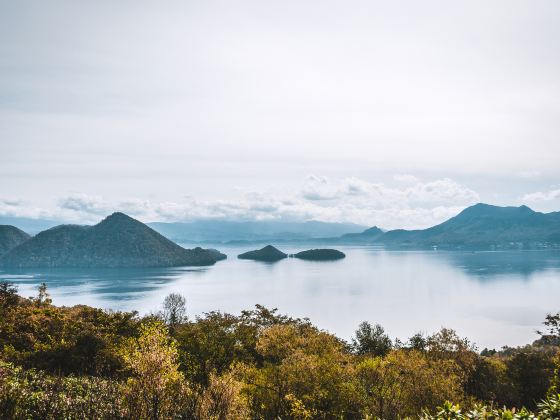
(82, 362)
(406, 381)
(31, 394)
(156, 385)
(305, 373)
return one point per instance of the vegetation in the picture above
(320, 254)
(266, 254)
(10, 237)
(117, 241)
(81, 362)
(481, 226)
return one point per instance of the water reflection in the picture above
(495, 298)
(489, 265)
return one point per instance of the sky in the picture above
(388, 113)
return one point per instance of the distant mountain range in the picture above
(28, 225)
(117, 241)
(220, 231)
(120, 241)
(481, 226)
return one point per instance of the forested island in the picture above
(82, 362)
(115, 242)
(319, 255)
(271, 254)
(266, 254)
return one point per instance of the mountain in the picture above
(367, 236)
(267, 254)
(218, 231)
(117, 241)
(481, 226)
(10, 237)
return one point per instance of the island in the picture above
(118, 241)
(320, 255)
(267, 254)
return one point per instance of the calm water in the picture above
(494, 298)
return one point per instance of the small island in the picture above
(267, 254)
(320, 255)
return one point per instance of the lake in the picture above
(493, 298)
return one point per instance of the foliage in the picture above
(78, 340)
(305, 373)
(406, 381)
(174, 309)
(371, 340)
(552, 322)
(81, 362)
(216, 341)
(30, 394)
(154, 389)
(530, 371)
(223, 399)
(548, 409)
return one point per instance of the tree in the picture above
(371, 340)
(305, 374)
(8, 295)
(222, 399)
(531, 371)
(418, 342)
(404, 382)
(43, 298)
(552, 336)
(174, 309)
(155, 388)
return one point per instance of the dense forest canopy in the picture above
(83, 362)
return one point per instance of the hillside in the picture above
(478, 226)
(10, 237)
(117, 241)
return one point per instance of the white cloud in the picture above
(414, 205)
(85, 203)
(406, 178)
(529, 174)
(542, 195)
(379, 195)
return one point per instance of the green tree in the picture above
(43, 298)
(531, 372)
(371, 340)
(552, 336)
(406, 381)
(305, 373)
(155, 388)
(8, 296)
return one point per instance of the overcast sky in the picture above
(394, 113)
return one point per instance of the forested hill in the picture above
(117, 241)
(479, 226)
(10, 237)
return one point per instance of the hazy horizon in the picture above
(377, 113)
